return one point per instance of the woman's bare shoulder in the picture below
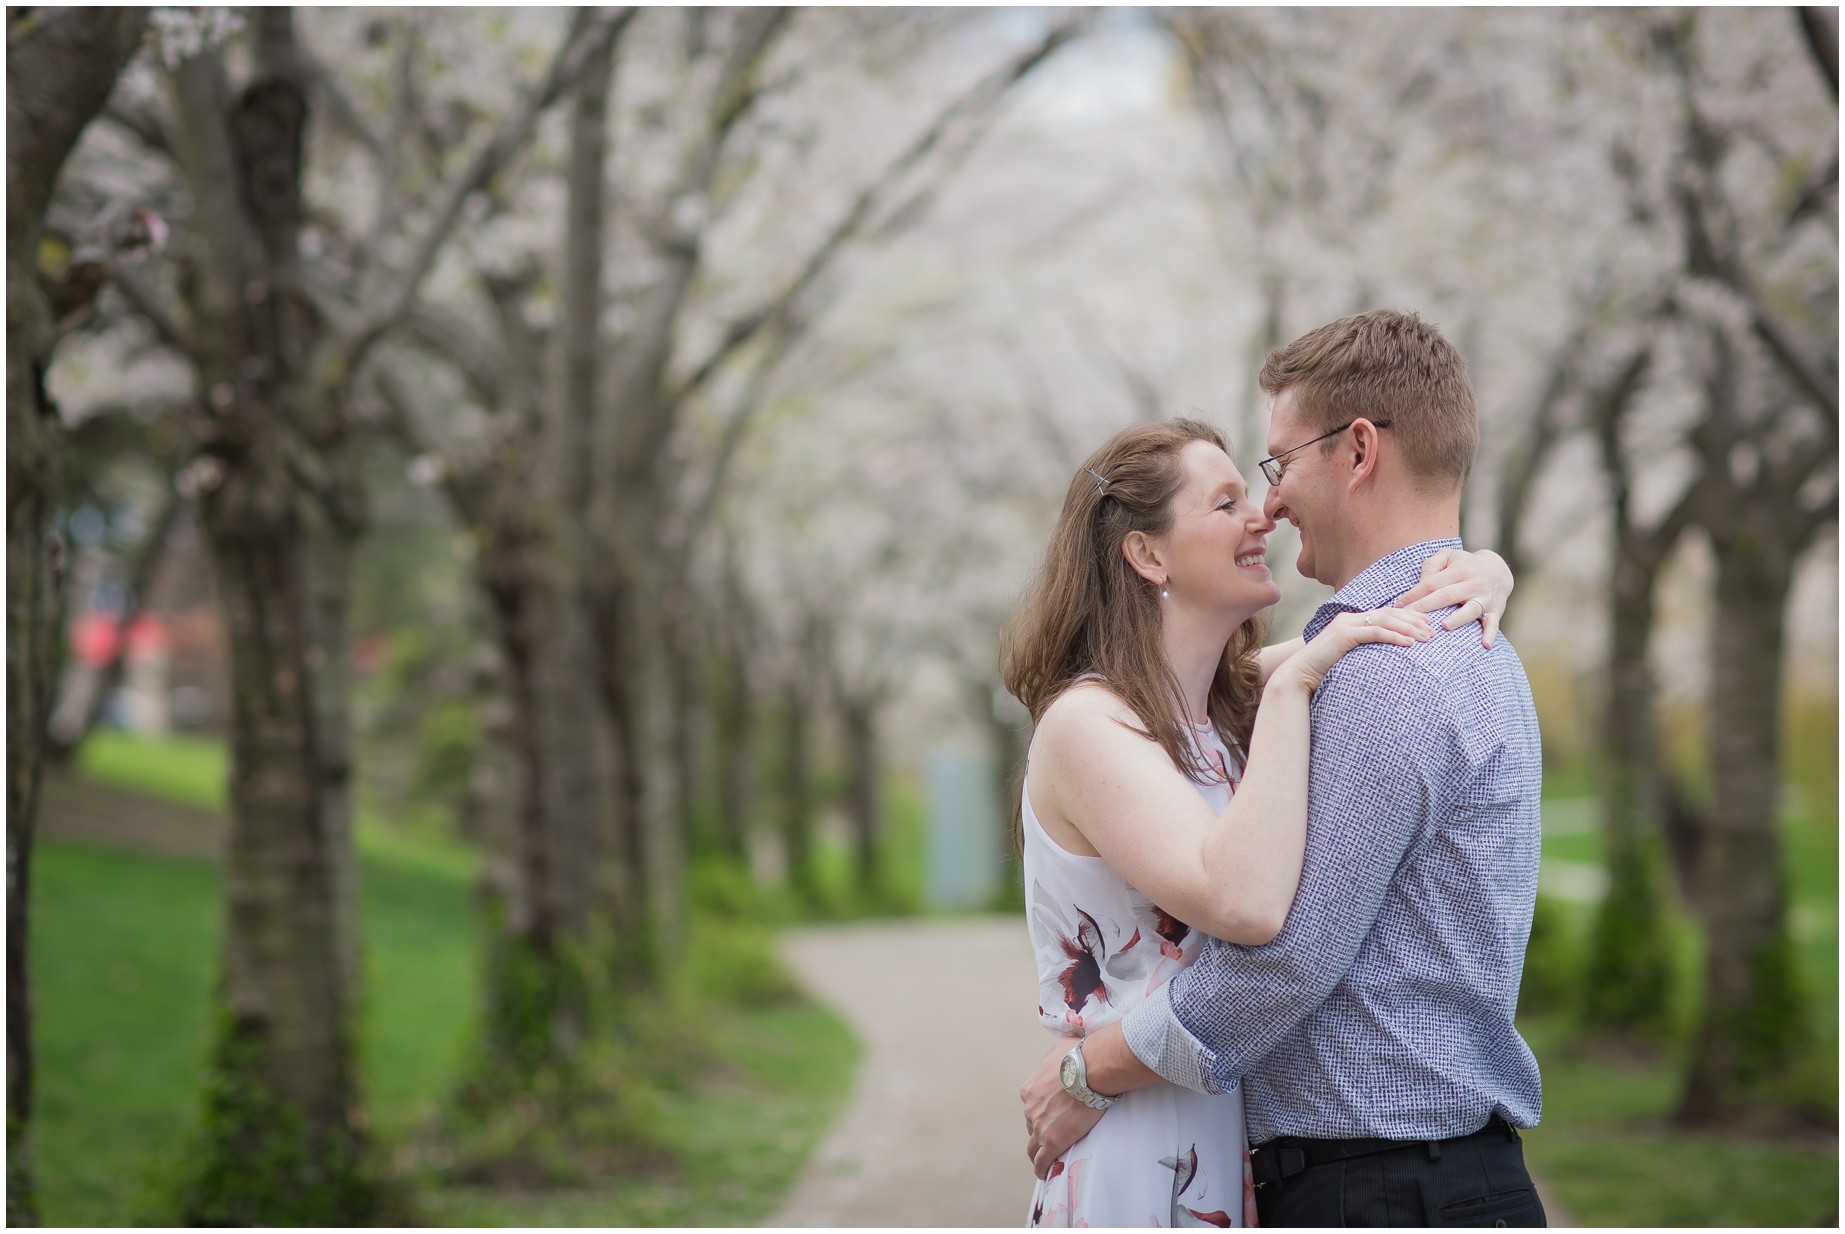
(1086, 713)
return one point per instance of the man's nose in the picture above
(1272, 507)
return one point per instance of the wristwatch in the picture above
(1074, 1077)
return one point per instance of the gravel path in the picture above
(942, 1146)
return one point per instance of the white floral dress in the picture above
(1161, 1156)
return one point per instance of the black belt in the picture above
(1285, 1156)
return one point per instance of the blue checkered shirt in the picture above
(1384, 1007)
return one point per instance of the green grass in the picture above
(124, 948)
(737, 1141)
(902, 862)
(124, 952)
(1605, 1149)
(193, 771)
(1605, 1154)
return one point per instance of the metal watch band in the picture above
(1077, 1085)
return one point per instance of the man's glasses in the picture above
(1271, 467)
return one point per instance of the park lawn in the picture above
(1606, 1155)
(124, 949)
(1605, 1150)
(738, 1142)
(192, 771)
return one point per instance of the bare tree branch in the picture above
(398, 420)
(142, 565)
(1526, 457)
(146, 301)
(1799, 370)
(390, 155)
(499, 149)
(474, 356)
(404, 419)
(1827, 512)
(144, 124)
(646, 354)
(755, 394)
(522, 385)
(1820, 28)
(1712, 248)
(1142, 391)
(1035, 395)
(966, 109)
(322, 80)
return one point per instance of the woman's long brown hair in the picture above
(1089, 611)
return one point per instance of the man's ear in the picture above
(1144, 555)
(1366, 441)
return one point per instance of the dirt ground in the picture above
(77, 809)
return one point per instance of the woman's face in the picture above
(1216, 548)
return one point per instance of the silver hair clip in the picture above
(1101, 482)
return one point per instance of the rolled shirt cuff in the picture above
(1155, 1036)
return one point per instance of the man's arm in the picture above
(1381, 748)
(1054, 1120)
(1379, 740)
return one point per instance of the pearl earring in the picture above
(1165, 592)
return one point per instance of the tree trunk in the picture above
(1755, 1010)
(664, 840)
(686, 718)
(286, 1103)
(648, 914)
(623, 879)
(528, 509)
(861, 717)
(1627, 987)
(62, 745)
(1007, 726)
(536, 998)
(736, 779)
(61, 65)
(580, 795)
(280, 509)
(797, 790)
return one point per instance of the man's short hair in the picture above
(1384, 365)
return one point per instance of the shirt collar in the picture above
(1379, 583)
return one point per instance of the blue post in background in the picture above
(964, 852)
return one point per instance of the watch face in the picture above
(1066, 1073)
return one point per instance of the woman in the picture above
(1140, 649)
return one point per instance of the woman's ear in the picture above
(1143, 554)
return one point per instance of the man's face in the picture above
(1306, 496)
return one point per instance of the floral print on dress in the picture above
(1161, 1156)
(1090, 972)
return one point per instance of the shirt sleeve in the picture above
(1382, 745)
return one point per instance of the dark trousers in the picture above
(1477, 1179)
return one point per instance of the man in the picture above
(1383, 1079)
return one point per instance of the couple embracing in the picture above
(1279, 897)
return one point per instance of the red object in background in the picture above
(368, 653)
(92, 638)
